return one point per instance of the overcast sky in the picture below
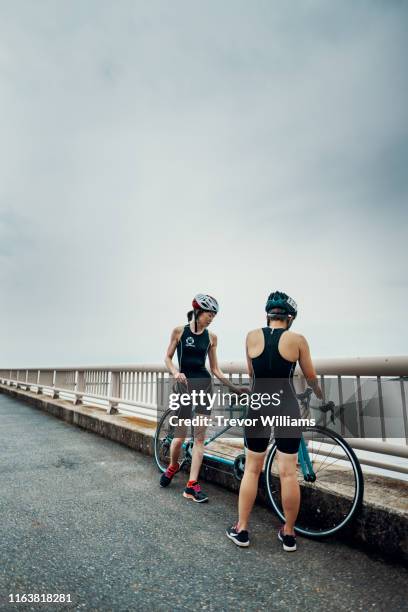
(153, 150)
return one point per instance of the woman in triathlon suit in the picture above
(272, 354)
(193, 343)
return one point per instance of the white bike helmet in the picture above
(203, 302)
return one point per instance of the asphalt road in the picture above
(84, 516)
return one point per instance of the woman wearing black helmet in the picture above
(193, 343)
(272, 354)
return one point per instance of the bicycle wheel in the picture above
(162, 440)
(335, 492)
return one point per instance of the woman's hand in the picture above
(243, 390)
(318, 392)
(180, 378)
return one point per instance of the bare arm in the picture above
(306, 365)
(215, 369)
(168, 360)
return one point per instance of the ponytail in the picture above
(194, 314)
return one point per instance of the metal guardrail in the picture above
(139, 389)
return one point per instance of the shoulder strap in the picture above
(182, 334)
(208, 337)
(275, 337)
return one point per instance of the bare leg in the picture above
(175, 450)
(176, 444)
(290, 490)
(198, 452)
(249, 487)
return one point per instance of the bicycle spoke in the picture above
(327, 456)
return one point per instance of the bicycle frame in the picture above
(303, 454)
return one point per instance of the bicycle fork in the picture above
(305, 462)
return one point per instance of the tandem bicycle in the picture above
(329, 473)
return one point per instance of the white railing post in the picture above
(114, 392)
(79, 386)
(39, 388)
(55, 394)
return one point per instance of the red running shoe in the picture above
(168, 475)
(195, 493)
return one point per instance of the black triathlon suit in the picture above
(273, 374)
(192, 351)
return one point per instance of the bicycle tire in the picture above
(307, 523)
(158, 443)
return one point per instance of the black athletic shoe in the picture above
(168, 475)
(195, 493)
(288, 541)
(240, 538)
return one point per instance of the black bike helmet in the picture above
(283, 302)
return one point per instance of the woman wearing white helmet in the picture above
(193, 343)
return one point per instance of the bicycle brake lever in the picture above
(305, 395)
(329, 406)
